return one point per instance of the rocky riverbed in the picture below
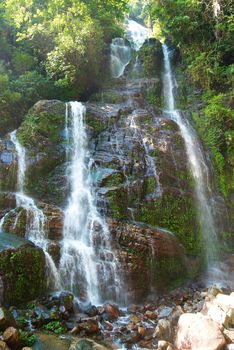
(192, 318)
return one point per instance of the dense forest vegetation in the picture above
(59, 49)
(52, 49)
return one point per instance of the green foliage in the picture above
(55, 327)
(26, 339)
(216, 124)
(53, 49)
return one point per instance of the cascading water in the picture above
(151, 169)
(88, 266)
(120, 57)
(196, 162)
(136, 34)
(121, 49)
(35, 224)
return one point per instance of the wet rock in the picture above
(112, 311)
(164, 311)
(221, 309)
(86, 344)
(141, 331)
(11, 337)
(198, 332)
(52, 342)
(65, 299)
(163, 330)
(175, 315)
(3, 345)
(88, 327)
(132, 338)
(6, 319)
(164, 345)
(89, 309)
(18, 259)
(54, 249)
(151, 315)
(214, 291)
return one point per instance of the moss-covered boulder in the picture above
(149, 257)
(22, 270)
(42, 134)
(151, 58)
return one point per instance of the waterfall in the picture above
(120, 56)
(136, 34)
(121, 49)
(35, 224)
(196, 162)
(88, 266)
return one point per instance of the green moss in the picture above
(55, 327)
(178, 215)
(108, 97)
(97, 124)
(24, 274)
(27, 339)
(168, 272)
(42, 122)
(113, 180)
(117, 200)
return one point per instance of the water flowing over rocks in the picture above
(109, 190)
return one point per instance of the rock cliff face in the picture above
(140, 174)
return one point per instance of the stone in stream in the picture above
(11, 337)
(163, 331)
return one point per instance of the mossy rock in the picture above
(15, 222)
(43, 125)
(179, 215)
(22, 270)
(151, 58)
(108, 97)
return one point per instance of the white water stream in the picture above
(36, 220)
(88, 266)
(121, 49)
(196, 162)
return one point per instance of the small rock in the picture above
(163, 330)
(112, 310)
(89, 326)
(175, 315)
(214, 290)
(132, 309)
(108, 325)
(134, 319)
(132, 338)
(221, 309)
(151, 315)
(141, 331)
(26, 348)
(3, 346)
(6, 320)
(164, 345)
(229, 334)
(164, 311)
(11, 337)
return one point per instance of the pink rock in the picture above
(198, 332)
